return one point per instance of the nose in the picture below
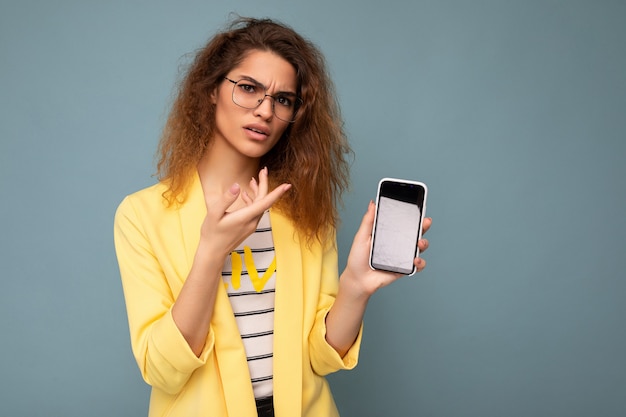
(265, 109)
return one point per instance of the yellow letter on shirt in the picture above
(257, 283)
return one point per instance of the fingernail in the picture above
(234, 189)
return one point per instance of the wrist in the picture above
(208, 257)
(350, 285)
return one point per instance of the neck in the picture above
(218, 169)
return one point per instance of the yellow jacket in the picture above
(155, 248)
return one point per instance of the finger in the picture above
(254, 186)
(420, 264)
(218, 206)
(246, 198)
(423, 244)
(267, 201)
(263, 187)
(428, 221)
(365, 229)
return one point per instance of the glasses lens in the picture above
(285, 106)
(247, 94)
(250, 95)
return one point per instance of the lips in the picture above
(258, 132)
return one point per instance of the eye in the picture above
(247, 87)
(285, 101)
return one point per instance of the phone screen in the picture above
(399, 213)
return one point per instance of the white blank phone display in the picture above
(396, 233)
(400, 206)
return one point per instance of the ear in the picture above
(213, 96)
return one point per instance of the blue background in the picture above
(513, 112)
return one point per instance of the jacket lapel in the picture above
(192, 214)
(228, 349)
(288, 318)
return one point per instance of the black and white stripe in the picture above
(254, 311)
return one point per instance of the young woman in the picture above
(229, 263)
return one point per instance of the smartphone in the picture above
(400, 208)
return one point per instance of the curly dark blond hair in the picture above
(311, 155)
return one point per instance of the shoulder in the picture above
(147, 201)
(149, 194)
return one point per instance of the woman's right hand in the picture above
(222, 230)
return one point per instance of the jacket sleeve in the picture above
(324, 358)
(164, 358)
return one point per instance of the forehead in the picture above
(269, 69)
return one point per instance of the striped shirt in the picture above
(249, 275)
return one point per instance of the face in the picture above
(253, 132)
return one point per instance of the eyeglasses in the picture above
(249, 94)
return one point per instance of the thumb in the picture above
(365, 229)
(219, 206)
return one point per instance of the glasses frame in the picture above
(297, 104)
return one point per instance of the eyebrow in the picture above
(246, 77)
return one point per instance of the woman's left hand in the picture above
(357, 284)
(363, 279)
